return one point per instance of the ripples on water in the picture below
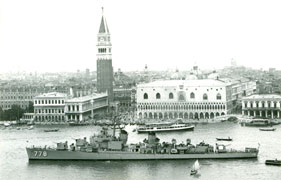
(14, 163)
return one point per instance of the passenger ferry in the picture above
(165, 128)
(257, 122)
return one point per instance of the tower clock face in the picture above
(101, 39)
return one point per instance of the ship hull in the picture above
(52, 154)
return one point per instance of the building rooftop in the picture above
(262, 96)
(52, 94)
(186, 83)
(87, 98)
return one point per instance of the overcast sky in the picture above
(60, 35)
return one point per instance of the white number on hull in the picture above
(40, 153)
(45, 154)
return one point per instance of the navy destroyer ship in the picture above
(108, 147)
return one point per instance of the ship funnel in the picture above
(151, 138)
(123, 136)
(188, 141)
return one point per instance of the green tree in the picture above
(1, 114)
(30, 107)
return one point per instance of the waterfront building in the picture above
(27, 118)
(17, 95)
(188, 99)
(85, 108)
(22, 93)
(126, 98)
(262, 105)
(241, 87)
(104, 60)
(79, 91)
(49, 108)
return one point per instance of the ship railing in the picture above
(42, 147)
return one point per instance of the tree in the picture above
(15, 112)
(1, 114)
(30, 107)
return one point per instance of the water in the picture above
(14, 163)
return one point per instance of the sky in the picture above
(61, 35)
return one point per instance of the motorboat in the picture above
(6, 124)
(51, 130)
(267, 129)
(273, 162)
(224, 139)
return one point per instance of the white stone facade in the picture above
(84, 108)
(188, 99)
(49, 108)
(262, 106)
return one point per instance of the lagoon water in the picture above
(14, 163)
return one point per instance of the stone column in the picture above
(80, 107)
(255, 113)
(278, 114)
(266, 113)
(243, 112)
(271, 114)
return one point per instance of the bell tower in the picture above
(104, 60)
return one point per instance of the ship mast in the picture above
(114, 116)
(114, 124)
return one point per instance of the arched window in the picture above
(192, 95)
(145, 96)
(218, 96)
(171, 96)
(158, 96)
(205, 96)
(181, 97)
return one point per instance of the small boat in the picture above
(267, 129)
(224, 139)
(273, 162)
(18, 128)
(30, 123)
(195, 168)
(30, 128)
(51, 130)
(79, 123)
(7, 124)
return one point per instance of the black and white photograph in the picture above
(140, 89)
